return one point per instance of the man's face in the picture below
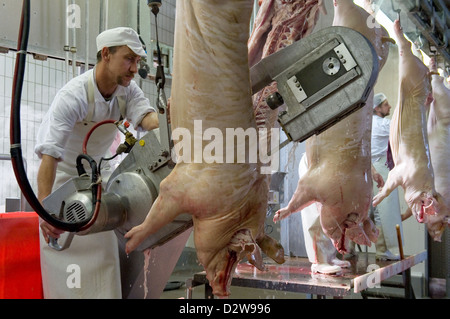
(123, 65)
(384, 108)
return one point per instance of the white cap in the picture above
(120, 36)
(378, 99)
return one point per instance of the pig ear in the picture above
(371, 230)
(272, 248)
(242, 241)
(357, 235)
(255, 258)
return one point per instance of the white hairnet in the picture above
(121, 36)
(378, 99)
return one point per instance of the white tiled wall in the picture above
(41, 81)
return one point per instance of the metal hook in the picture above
(398, 10)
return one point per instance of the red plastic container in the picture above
(20, 270)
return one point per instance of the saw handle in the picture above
(53, 242)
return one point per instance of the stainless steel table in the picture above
(295, 276)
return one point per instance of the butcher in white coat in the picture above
(387, 213)
(105, 92)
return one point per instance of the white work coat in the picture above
(90, 267)
(380, 136)
(387, 214)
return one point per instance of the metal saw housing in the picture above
(136, 180)
(321, 78)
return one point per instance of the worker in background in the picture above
(105, 92)
(387, 214)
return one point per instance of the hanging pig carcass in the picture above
(410, 147)
(438, 126)
(211, 94)
(339, 175)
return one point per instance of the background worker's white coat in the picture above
(387, 213)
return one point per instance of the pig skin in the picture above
(228, 201)
(409, 142)
(339, 175)
(438, 126)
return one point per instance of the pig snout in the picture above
(436, 226)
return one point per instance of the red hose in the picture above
(97, 209)
(99, 186)
(88, 135)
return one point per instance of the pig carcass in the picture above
(339, 174)
(409, 141)
(439, 140)
(211, 87)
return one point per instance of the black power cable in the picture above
(15, 136)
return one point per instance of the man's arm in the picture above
(150, 121)
(407, 214)
(45, 179)
(46, 176)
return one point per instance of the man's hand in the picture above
(377, 178)
(49, 230)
